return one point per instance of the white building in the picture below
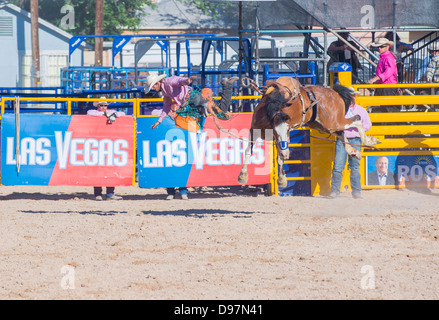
(16, 49)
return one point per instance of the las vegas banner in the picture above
(55, 150)
(172, 157)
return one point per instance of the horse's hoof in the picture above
(282, 182)
(371, 140)
(243, 177)
(356, 155)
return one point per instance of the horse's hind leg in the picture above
(349, 149)
(365, 139)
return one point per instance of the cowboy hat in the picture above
(152, 80)
(353, 91)
(381, 42)
(101, 103)
(433, 47)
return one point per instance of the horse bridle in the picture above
(296, 94)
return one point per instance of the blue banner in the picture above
(169, 156)
(404, 170)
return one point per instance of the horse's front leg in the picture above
(243, 175)
(282, 179)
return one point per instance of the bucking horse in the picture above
(287, 105)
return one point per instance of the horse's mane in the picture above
(344, 93)
(274, 103)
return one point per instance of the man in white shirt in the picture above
(102, 110)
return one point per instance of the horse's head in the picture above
(282, 134)
(281, 91)
(277, 97)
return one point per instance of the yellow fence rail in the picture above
(135, 101)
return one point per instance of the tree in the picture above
(119, 15)
(99, 30)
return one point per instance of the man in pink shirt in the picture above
(174, 89)
(386, 73)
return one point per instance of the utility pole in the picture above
(35, 43)
(99, 30)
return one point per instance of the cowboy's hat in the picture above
(352, 91)
(381, 42)
(433, 47)
(152, 80)
(101, 103)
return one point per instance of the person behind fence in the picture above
(421, 76)
(188, 106)
(340, 156)
(386, 73)
(102, 110)
(341, 52)
(400, 48)
(433, 66)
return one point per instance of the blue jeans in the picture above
(339, 165)
(183, 190)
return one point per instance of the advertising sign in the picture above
(404, 170)
(172, 157)
(78, 150)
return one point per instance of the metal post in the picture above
(17, 133)
(325, 62)
(35, 43)
(257, 47)
(240, 54)
(99, 30)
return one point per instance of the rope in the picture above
(352, 144)
(234, 135)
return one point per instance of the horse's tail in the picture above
(344, 93)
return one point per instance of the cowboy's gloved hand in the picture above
(192, 78)
(155, 125)
(111, 118)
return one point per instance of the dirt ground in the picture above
(224, 243)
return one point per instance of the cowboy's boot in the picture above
(226, 95)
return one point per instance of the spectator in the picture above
(102, 110)
(400, 48)
(381, 176)
(353, 138)
(341, 52)
(421, 76)
(386, 73)
(433, 66)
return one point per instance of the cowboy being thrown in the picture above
(188, 106)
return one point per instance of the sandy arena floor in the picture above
(225, 243)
